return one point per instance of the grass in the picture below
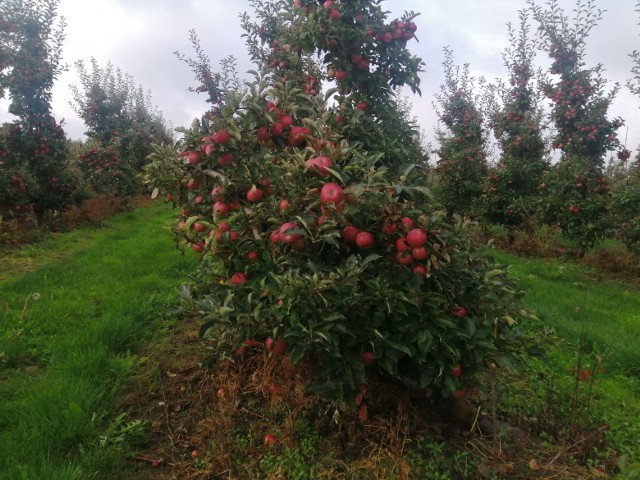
(68, 330)
(565, 297)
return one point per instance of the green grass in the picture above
(68, 330)
(606, 315)
(564, 297)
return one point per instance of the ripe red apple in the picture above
(350, 233)
(277, 129)
(361, 105)
(289, 238)
(328, 4)
(320, 164)
(198, 199)
(420, 253)
(341, 75)
(417, 237)
(217, 193)
(334, 15)
(277, 347)
(459, 394)
(194, 157)
(221, 208)
(407, 222)
(365, 240)
(195, 454)
(192, 184)
(155, 463)
(238, 278)
(264, 134)
(331, 193)
(368, 358)
(404, 258)
(197, 247)
(402, 245)
(270, 439)
(221, 137)
(225, 159)
(283, 206)
(286, 120)
(199, 227)
(254, 194)
(389, 228)
(457, 370)
(420, 270)
(460, 312)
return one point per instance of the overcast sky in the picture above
(140, 36)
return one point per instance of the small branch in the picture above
(582, 440)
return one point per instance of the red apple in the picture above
(350, 233)
(420, 270)
(407, 222)
(199, 227)
(283, 206)
(277, 129)
(334, 15)
(404, 258)
(254, 194)
(225, 159)
(238, 278)
(341, 75)
(331, 193)
(460, 312)
(221, 137)
(270, 439)
(264, 134)
(289, 238)
(252, 256)
(457, 370)
(420, 253)
(368, 358)
(365, 240)
(221, 208)
(417, 237)
(402, 245)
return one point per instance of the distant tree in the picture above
(462, 162)
(122, 125)
(511, 190)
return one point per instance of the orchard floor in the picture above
(208, 420)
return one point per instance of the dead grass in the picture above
(224, 413)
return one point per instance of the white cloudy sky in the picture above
(140, 36)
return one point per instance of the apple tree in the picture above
(316, 240)
(577, 196)
(511, 191)
(626, 195)
(35, 144)
(462, 162)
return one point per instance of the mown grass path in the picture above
(68, 329)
